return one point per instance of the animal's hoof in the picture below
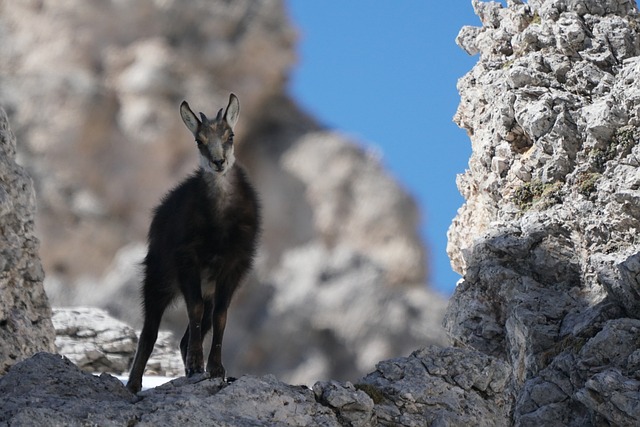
(193, 371)
(229, 380)
(217, 371)
(134, 386)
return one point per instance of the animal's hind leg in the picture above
(206, 326)
(148, 337)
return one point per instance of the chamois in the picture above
(202, 241)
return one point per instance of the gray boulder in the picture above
(97, 342)
(440, 386)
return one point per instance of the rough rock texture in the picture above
(431, 387)
(51, 390)
(93, 88)
(546, 240)
(435, 386)
(96, 342)
(25, 314)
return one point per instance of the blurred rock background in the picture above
(91, 88)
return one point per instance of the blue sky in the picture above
(385, 73)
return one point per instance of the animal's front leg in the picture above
(222, 301)
(194, 360)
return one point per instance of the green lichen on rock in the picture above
(625, 138)
(536, 18)
(621, 144)
(538, 193)
(586, 183)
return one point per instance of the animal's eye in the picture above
(230, 139)
(198, 142)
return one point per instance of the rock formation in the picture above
(431, 387)
(102, 138)
(546, 239)
(25, 314)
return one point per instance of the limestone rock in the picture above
(353, 406)
(440, 386)
(546, 238)
(50, 390)
(433, 385)
(97, 342)
(92, 340)
(25, 314)
(613, 396)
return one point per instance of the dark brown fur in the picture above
(202, 241)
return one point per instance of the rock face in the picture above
(50, 388)
(431, 387)
(25, 314)
(436, 386)
(546, 239)
(102, 138)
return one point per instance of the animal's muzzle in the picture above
(219, 164)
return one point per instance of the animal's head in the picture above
(214, 137)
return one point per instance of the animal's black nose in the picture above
(218, 164)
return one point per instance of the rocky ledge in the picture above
(433, 386)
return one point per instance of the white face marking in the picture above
(220, 185)
(209, 167)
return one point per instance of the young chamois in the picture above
(202, 241)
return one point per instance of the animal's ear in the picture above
(189, 118)
(233, 110)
